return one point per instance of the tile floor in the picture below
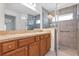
(63, 52)
(50, 53)
(67, 52)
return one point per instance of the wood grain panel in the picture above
(24, 42)
(0, 49)
(34, 49)
(17, 52)
(8, 46)
(48, 43)
(20, 52)
(43, 47)
(37, 38)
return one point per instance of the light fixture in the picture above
(30, 5)
(23, 17)
(50, 16)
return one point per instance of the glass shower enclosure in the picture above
(67, 30)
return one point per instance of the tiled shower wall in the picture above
(67, 29)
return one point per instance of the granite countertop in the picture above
(19, 36)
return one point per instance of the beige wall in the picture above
(2, 20)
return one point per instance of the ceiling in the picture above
(48, 6)
(19, 8)
(53, 6)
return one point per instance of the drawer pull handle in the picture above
(64, 31)
(10, 46)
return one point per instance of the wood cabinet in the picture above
(43, 46)
(48, 42)
(12, 53)
(29, 46)
(0, 49)
(18, 52)
(37, 38)
(8, 46)
(34, 49)
(26, 51)
(26, 41)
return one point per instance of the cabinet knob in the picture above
(9, 46)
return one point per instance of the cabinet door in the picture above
(17, 52)
(48, 43)
(20, 52)
(43, 47)
(34, 49)
(12, 53)
(26, 51)
(26, 41)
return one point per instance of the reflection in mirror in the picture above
(10, 22)
(16, 16)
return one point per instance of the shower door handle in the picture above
(64, 31)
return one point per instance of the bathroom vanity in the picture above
(25, 44)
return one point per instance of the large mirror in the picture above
(26, 16)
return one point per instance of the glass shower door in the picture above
(67, 40)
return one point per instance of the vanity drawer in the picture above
(26, 41)
(17, 52)
(8, 46)
(47, 36)
(11, 53)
